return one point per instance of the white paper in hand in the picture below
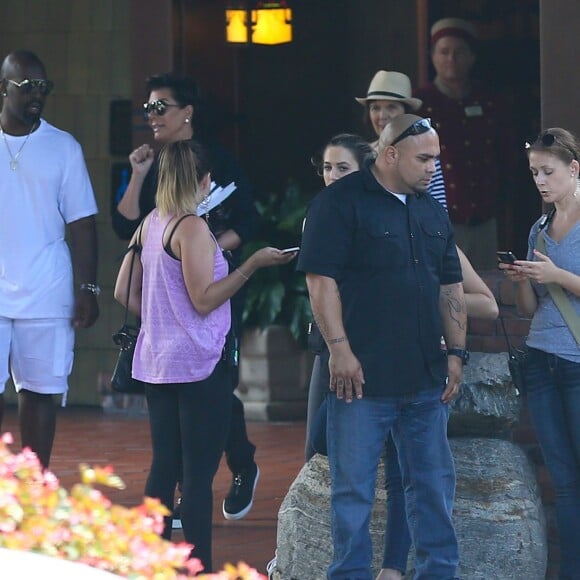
(217, 195)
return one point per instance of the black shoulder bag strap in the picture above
(136, 249)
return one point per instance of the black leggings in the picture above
(189, 425)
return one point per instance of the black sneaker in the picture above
(240, 498)
(176, 522)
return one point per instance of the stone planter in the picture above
(498, 512)
(274, 375)
(498, 517)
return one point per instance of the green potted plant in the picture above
(275, 366)
(279, 295)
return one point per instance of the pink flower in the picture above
(37, 514)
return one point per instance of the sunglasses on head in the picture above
(159, 106)
(547, 140)
(419, 127)
(27, 86)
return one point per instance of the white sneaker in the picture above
(176, 521)
(176, 524)
(271, 566)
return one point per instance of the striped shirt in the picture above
(437, 185)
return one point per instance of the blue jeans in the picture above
(553, 390)
(356, 435)
(397, 537)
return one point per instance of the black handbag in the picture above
(122, 380)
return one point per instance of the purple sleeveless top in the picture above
(176, 344)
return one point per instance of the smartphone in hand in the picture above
(506, 257)
(290, 250)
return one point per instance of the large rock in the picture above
(488, 405)
(498, 516)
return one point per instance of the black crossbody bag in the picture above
(122, 380)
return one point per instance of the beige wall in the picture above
(85, 47)
(100, 50)
(559, 49)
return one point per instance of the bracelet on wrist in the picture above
(244, 276)
(92, 288)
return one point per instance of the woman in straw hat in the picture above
(388, 96)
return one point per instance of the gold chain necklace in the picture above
(14, 158)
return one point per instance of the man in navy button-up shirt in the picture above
(385, 284)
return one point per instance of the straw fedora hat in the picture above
(388, 85)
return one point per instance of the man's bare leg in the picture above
(37, 415)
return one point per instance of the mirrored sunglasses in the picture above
(26, 86)
(419, 127)
(159, 107)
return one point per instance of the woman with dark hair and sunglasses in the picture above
(172, 113)
(547, 286)
(180, 287)
(342, 155)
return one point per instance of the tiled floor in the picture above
(97, 438)
(93, 437)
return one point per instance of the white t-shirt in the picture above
(49, 189)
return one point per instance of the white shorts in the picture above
(38, 353)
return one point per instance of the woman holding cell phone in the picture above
(181, 290)
(547, 287)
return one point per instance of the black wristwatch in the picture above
(460, 352)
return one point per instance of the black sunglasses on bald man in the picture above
(419, 127)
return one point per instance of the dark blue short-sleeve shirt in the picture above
(389, 260)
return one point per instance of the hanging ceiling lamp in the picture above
(270, 23)
(237, 24)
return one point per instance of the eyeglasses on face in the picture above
(159, 106)
(419, 127)
(27, 86)
(547, 140)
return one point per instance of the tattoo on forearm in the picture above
(455, 307)
(321, 326)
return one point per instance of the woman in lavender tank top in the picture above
(180, 288)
